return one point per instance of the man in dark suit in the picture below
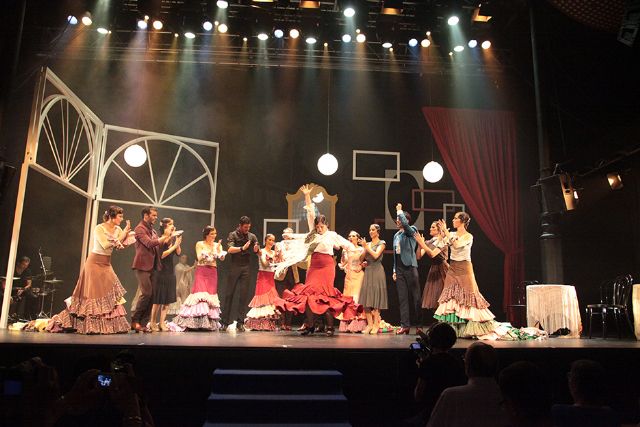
(145, 263)
(405, 269)
(240, 245)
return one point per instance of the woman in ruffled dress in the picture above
(164, 286)
(96, 305)
(263, 315)
(201, 309)
(438, 251)
(373, 295)
(318, 296)
(353, 276)
(461, 304)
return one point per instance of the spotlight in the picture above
(244, 39)
(176, 35)
(190, 35)
(349, 12)
(428, 33)
(263, 36)
(207, 25)
(278, 33)
(222, 4)
(103, 30)
(311, 40)
(458, 48)
(86, 19)
(346, 38)
(472, 43)
(425, 43)
(142, 24)
(453, 20)
(326, 44)
(223, 28)
(486, 44)
(615, 180)
(386, 45)
(413, 42)
(390, 49)
(72, 20)
(294, 34)
(361, 38)
(157, 24)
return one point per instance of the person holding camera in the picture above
(438, 369)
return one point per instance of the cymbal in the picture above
(54, 281)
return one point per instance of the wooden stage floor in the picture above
(284, 340)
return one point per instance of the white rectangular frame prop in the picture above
(286, 221)
(395, 178)
(462, 207)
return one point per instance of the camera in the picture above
(104, 380)
(422, 347)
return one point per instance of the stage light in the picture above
(458, 48)
(311, 40)
(103, 30)
(263, 36)
(349, 12)
(326, 44)
(207, 25)
(472, 43)
(390, 49)
(135, 156)
(190, 35)
(157, 24)
(278, 33)
(86, 19)
(453, 20)
(615, 180)
(425, 43)
(361, 38)
(432, 172)
(413, 42)
(428, 33)
(327, 164)
(293, 33)
(486, 44)
(386, 45)
(142, 24)
(222, 4)
(450, 53)
(244, 39)
(72, 20)
(223, 28)
(346, 38)
(176, 35)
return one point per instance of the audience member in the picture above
(588, 387)
(478, 403)
(527, 399)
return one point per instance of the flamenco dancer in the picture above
(263, 315)
(318, 296)
(373, 295)
(201, 309)
(438, 251)
(354, 274)
(461, 304)
(95, 307)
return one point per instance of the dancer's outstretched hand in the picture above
(306, 189)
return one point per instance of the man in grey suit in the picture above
(405, 270)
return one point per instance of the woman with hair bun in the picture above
(96, 305)
(437, 250)
(201, 309)
(373, 295)
(461, 305)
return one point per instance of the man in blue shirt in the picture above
(405, 269)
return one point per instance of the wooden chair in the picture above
(615, 298)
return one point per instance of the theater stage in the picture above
(379, 371)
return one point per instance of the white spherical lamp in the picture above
(327, 164)
(432, 172)
(135, 156)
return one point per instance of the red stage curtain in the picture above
(479, 151)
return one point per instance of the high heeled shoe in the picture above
(374, 331)
(403, 331)
(329, 332)
(164, 328)
(309, 331)
(155, 327)
(367, 329)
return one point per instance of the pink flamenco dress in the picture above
(354, 276)
(201, 309)
(96, 305)
(263, 315)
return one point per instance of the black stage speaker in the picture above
(628, 32)
(557, 193)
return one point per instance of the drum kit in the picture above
(48, 287)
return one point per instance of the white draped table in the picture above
(636, 309)
(554, 307)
